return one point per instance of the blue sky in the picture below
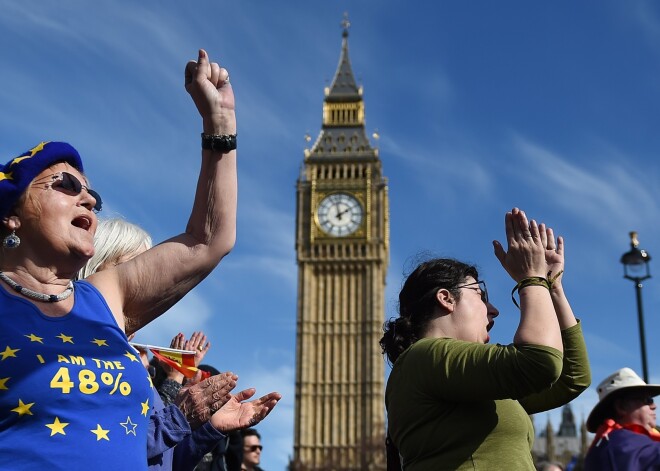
(481, 106)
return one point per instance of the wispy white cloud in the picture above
(644, 13)
(608, 348)
(604, 194)
(188, 315)
(271, 224)
(278, 271)
(17, 15)
(455, 172)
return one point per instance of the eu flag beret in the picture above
(16, 175)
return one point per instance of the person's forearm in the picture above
(175, 376)
(538, 321)
(145, 287)
(574, 379)
(209, 236)
(167, 427)
(190, 451)
(563, 309)
(169, 390)
(212, 222)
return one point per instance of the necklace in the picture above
(51, 298)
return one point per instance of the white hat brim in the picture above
(597, 414)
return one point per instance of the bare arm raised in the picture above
(526, 257)
(145, 287)
(554, 256)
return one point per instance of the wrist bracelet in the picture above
(531, 281)
(552, 279)
(222, 143)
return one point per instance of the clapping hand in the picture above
(199, 344)
(239, 413)
(525, 256)
(199, 400)
(554, 254)
(177, 342)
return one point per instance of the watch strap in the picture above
(222, 143)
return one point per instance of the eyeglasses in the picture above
(253, 448)
(481, 287)
(70, 183)
(646, 400)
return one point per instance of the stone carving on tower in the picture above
(342, 248)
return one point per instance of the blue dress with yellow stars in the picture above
(73, 393)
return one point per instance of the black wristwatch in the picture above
(222, 143)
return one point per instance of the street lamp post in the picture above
(636, 268)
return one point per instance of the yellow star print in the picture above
(3, 383)
(100, 343)
(57, 427)
(34, 338)
(100, 433)
(33, 151)
(23, 408)
(145, 407)
(6, 176)
(9, 352)
(65, 338)
(130, 356)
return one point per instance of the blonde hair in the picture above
(114, 239)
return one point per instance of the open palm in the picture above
(554, 252)
(239, 413)
(198, 400)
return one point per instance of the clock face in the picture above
(339, 214)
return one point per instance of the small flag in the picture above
(181, 360)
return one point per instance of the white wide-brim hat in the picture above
(625, 378)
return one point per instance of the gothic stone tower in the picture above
(342, 246)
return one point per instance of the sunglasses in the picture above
(646, 400)
(253, 448)
(481, 286)
(71, 184)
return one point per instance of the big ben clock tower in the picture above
(342, 246)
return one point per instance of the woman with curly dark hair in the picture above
(453, 400)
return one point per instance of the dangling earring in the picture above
(11, 241)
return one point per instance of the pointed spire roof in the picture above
(344, 87)
(567, 427)
(343, 134)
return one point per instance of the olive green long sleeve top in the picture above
(456, 405)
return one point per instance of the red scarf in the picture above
(610, 425)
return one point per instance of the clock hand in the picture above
(337, 210)
(341, 213)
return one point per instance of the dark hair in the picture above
(159, 376)
(248, 432)
(417, 302)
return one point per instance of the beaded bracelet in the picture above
(534, 281)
